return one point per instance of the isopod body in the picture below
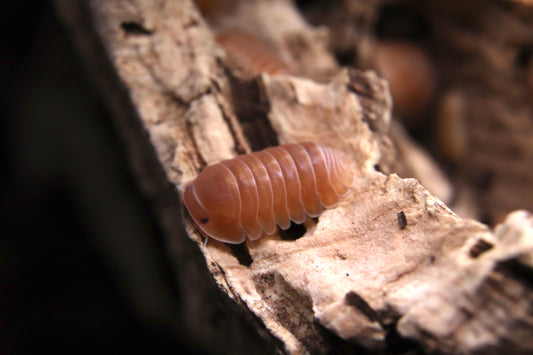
(412, 78)
(250, 194)
(252, 54)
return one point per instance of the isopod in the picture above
(252, 54)
(412, 78)
(250, 194)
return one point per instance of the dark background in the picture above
(82, 263)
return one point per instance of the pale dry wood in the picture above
(359, 271)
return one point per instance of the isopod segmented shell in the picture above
(251, 194)
(252, 54)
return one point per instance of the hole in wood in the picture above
(295, 231)
(241, 252)
(479, 248)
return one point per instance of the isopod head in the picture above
(205, 193)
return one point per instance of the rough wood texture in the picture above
(360, 275)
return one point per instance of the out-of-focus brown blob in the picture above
(210, 8)
(450, 127)
(412, 78)
(251, 54)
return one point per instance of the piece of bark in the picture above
(356, 271)
(350, 265)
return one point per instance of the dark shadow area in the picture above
(396, 344)
(83, 266)
(295, 231)
(241, 252)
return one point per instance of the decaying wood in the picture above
(360, 275)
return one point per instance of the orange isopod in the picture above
(252, 54)
(250, 194)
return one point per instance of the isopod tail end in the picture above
(347, 173)
(252, 238)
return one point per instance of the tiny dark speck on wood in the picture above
(402, 220)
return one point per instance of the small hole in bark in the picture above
(134, 28)
(294, 232)
(241, 252)
(479, 248)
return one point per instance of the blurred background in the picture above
(69, 202)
